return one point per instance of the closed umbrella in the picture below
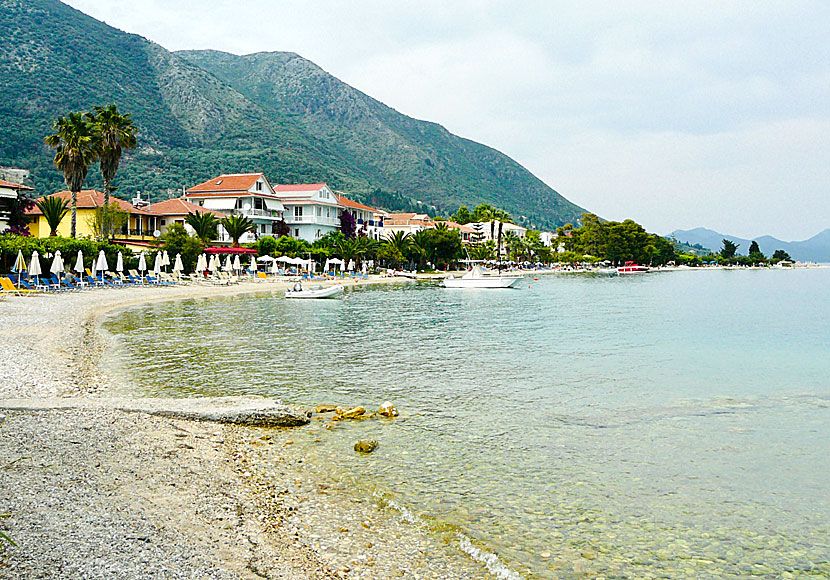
(237, 265)
(228, 266)
(34, 267)
(214, 264)
(142, 263)
(350, 267)
(158, 263)
(252, 267)
(19, 265)
(101, 264)
(275, 269)
(178, 267)
(165, 260)
(201, 264)
(119, 263)
(79, 265)
(57, 266)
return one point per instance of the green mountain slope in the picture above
(201, 113)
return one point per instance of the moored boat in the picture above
(477, 278)
(632, 268)
(316, 292)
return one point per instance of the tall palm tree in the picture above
(399, 241)
(74, 142)
(116, 133)
(204, 225)
(53, 209)
(236, 226)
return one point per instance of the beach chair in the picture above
(8, 287)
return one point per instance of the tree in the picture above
(178, 241)
(109, 218)
(236, 226)
(462, 216)
(781, 256)
(755, 253)
(729, 249)
(18, 220)
(280, 228)
(116, 132)
(74, 142)
(348, 225)
(204, 225)
(53, 209)
(446, 244)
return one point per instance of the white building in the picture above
(8, 194)
(369, 221)
(311, 209)
(485, 229)
(246, 194)
(408, 223)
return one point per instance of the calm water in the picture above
(667, 425)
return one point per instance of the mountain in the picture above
(201, 113)
(815, 249)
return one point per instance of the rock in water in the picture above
(388, 410)
(350, 413)
(365, 446)
(325, 408)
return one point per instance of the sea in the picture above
(665, 425)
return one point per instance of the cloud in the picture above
(622, 107)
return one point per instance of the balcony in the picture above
(267, 213)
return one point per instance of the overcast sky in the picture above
(674, 114)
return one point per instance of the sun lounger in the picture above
(8, 287)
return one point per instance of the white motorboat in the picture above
(315, 292)
(477, 278)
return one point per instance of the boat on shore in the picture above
(632, 268)
(478, 278)
(298, 291)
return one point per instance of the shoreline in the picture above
(145, 496)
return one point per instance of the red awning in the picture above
(229, 250)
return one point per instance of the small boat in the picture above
(477, 278)
(315, 292)
(632, 268)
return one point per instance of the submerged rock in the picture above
(387, 409)
(350, 413)
(366, 446)
(325, 408)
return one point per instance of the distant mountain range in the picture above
(816, 249)
(202, 113)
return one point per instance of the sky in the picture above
(674, 114)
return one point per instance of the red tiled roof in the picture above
(10, 185)
(90, 199)
(231, 182)
(298, 187)
(350, 203)
(181, 206)
(457, 226)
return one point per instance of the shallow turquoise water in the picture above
(667, 425)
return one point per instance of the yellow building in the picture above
(137, 231)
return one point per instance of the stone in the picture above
(350, 413)
(325, 409)
(365, 446)
(387, 409)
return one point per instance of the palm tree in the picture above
(399, 242)
(116, 133)
(422, 246)
(74, 142)
(53, 209)
(237, 226)
(204, 225)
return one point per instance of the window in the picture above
(262, 229)
(296, 232)
(298, 211)
(319, 211)
(319, 234)
(259, 186)
(257, 202)
(163, 222)
(328, 212)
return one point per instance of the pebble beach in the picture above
(97, 492)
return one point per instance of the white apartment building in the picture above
(311, 209)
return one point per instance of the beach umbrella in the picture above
(201, 263)
(275, 269)
(265, 258)
(285, 259)
(214, 264)
(34, 267)
(79, 265)
(252, 267)
(365, 268)
(350, 267)
(237, 266)
(178, 267)
(119, 263)
(142, 263)
(19, 265)
(101, 264)
(158, 262)
(165, 260)
(57, 266)
(228, 265)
